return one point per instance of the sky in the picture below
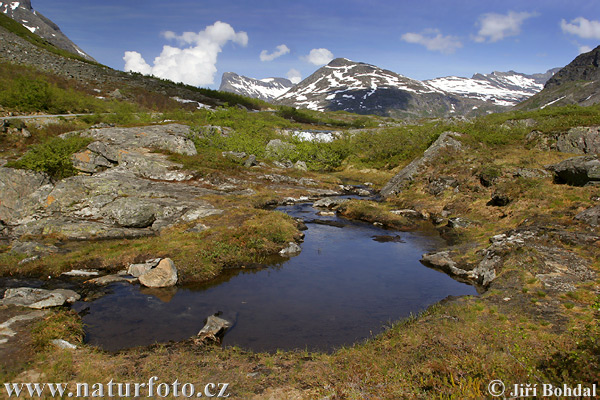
(196, 41)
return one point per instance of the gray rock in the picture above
(577, 171)
(445, 143)
(437, 185)
(330, 202)
(38, 298)
(63, 344)
(137, 270)
(251, 161)
(408, 213)
(278, 149)
(591, 216)
(290, 249)
(499, 199)
(580, 140)
(458, 222)
(90, 162)
(234, 155)
(131, 212)
(16, 189)
(301, 165)
(164, 275)
(530, 173)
(81, 272)
(214, 329)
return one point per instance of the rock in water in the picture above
(291, 249)
(164, 275)
(214, 328)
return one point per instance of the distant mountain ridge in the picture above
(267, 89)
(364, 88)
(22, 12)
(501, 88)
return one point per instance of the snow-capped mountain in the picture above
(267, 89)
(363, 88)
(22, 12)
(501, 88)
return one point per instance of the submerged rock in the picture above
(164, 275)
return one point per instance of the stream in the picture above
(349, 282)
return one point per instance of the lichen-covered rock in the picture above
(580, 140)
(164, 275)
(591, 216)
(16, 188)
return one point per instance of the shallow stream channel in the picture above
(351, 280)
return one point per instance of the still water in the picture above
(348, 282)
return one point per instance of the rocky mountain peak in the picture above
(585, 67)
(267, 89)
(23, 12)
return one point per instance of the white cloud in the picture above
(496, 27)
(281, 50)
(582, 27)
(319, 56)
(195, 64)
(584, 49)
(433, 40)
(294, 76)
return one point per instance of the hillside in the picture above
(576, 83)
(267, 89)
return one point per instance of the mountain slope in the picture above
(577, 83)
(264, 89)
(22, 12)
(366, 89)
(501, 88)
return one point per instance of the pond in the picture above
(350, 281)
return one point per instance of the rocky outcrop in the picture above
(38, 298)
(591, 216)
(578, 140)
(577, 171)
(137, 193)
(163, 275)
(446, 143)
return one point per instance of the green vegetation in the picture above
(52, 157)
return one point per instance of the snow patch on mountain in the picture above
(266, 89)
(500, 88)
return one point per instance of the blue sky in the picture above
(419, 39)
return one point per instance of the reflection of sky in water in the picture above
(343, 286)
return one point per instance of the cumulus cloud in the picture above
(495, 27)
(281, 50)
(584, 49)
(319, 56)
(582, 27)
(194, 62)
(433, 40)
(294, 76)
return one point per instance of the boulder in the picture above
(499, 199)
(446, 142)
(137, 270)
(577, 171)
(591, 216)
(131, 212)
(164, 275)
(250, 161)
(278, 149)
(38, 298)
(290, 249)
(438, 184)
(580, 140)
(16, 186)
(301, 165)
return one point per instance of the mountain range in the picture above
(364, 88)
(22, 12)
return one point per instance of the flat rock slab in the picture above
(38, 298)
